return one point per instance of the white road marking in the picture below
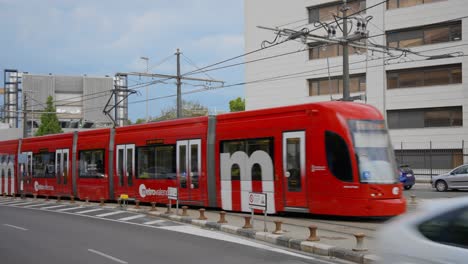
(132, 217)
(107, 256)
(155, 222)
(52, 207)
(68, 209)
(34, 205)
(17, 227)
(25, 203)
(195, 231)
(111, 213)
(88, 211)
(11, 202)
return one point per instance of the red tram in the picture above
(332, 158)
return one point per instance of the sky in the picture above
(97, 38)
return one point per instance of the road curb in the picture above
(279, 240)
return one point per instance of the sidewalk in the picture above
(334, 240)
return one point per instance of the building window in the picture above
(393, 4)
(426, 35)
(327, 11)
(318, 51)
(428, 76)
(425, 117)
(324, 86)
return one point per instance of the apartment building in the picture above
(423, 94)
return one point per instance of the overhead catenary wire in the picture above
(283, 77)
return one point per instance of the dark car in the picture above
(406, 176)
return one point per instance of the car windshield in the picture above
(374, 151)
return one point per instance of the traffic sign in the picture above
(172, 193)
(258, 201)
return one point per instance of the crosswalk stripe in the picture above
(52, 207)
(11, 202)
(88, 211)
(132, 217)
(35, 205)
(68, 209)
(25, 203)
(111, 213)
(155, 222)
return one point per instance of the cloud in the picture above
(109, 36)
(222, 44)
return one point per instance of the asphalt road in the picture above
(425, 191)
(42, 236)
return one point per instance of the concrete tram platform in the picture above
(334, 239)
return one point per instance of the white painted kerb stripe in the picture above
(155, 222)
(88, 211)
(34, 205)
(55, 206)
(107, 256)
(23, 203)
(132, 217)
(17, 227)
(68, 209)
(111, 213)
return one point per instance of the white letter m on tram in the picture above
(245, 164)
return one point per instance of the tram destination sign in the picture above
(258, 201)
(172, 193)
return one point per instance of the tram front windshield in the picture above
(374, 151)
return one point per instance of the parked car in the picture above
(454, 179)
(406, 176)
(437, 232)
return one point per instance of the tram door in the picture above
(61, 170)
(189, 169)
(294, 172)
(26, 173)
(125, 169)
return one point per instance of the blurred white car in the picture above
(436, 233)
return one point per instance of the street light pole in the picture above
(345, 54)
(147, 99)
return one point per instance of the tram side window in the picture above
(248, 146)
(156, 162)
(338, 158)
(44, 165)
(92, 164)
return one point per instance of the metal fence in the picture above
(429, 159)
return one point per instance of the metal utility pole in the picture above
(146, 59)
(179, 86)
(345, 46)
(179, 77)
(25, 121)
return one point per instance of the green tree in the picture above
(49, 120)
(140, 121)
(189, 109)
(237, 105)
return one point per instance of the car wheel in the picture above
(441, 186)
(407, 187)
